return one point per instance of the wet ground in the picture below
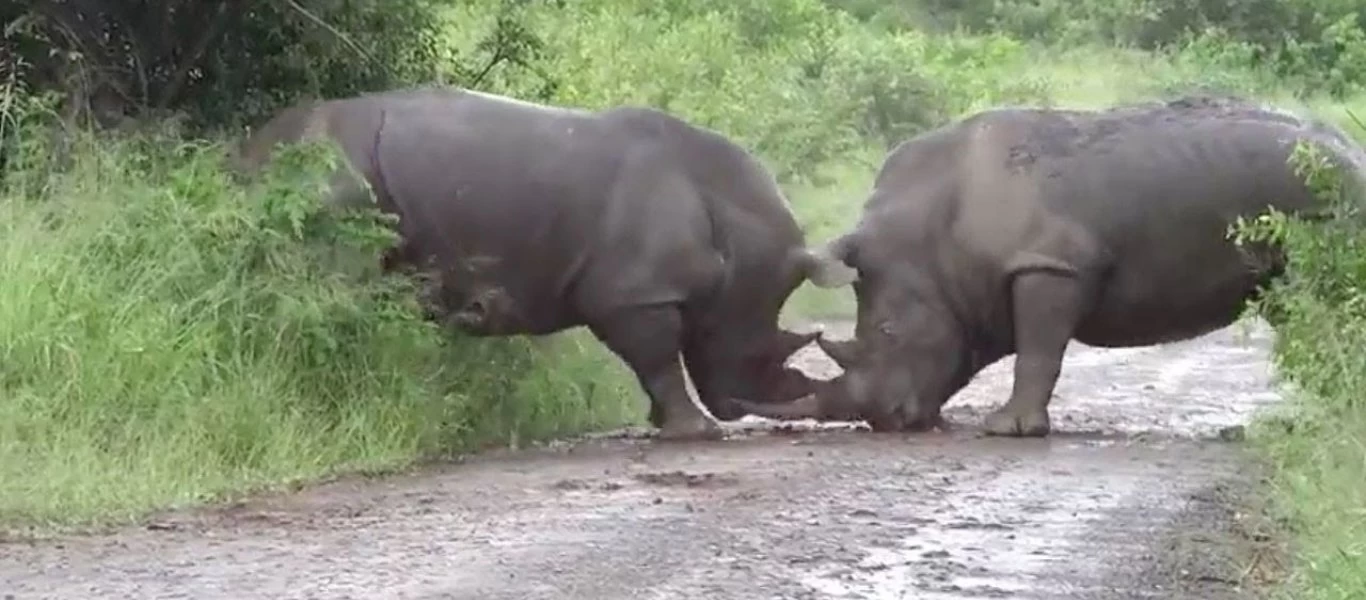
(1137, 495)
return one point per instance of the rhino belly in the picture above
(1169, 294)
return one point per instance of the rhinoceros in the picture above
(1017, 230)
(661, 237)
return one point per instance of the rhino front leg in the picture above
(1047, 309)
(649, 340)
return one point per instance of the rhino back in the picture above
(1206, 169)
(1141, 197)
(1152, 191)
(1129, 179)
(752, 226)
(579, 214)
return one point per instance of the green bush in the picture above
(1316, 445)
(217, 61)
(167, 336)
(801, 84)
(1318, 45)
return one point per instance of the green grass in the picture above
(1316, 446)
(168, 340)
(1316, 443)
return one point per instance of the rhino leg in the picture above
(1047, 309)
(649, 340)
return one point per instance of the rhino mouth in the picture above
(481, 311)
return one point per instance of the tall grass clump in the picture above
(1316, 445)
(167, 336)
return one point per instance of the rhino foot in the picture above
(699, 428)
(1010, 421)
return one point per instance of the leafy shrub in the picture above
(1317, 43)
(224, 62)
(1317, 443)
(166, 335)
(800, 83)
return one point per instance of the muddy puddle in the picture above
(1135, 497)
(1063, 522)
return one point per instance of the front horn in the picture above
(788, 342)
(806, 407)
(844, 353)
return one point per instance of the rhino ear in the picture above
(826, 266)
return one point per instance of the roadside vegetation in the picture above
(170, 337)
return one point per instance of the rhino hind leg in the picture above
(649, 340)
(1048, 307)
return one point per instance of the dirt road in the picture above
(1135, 496)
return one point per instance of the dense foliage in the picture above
(169, 337)
(218, 60)
(1310, 44)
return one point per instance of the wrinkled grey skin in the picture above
(659, 236)
(1017, 230)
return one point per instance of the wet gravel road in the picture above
(1135, 496)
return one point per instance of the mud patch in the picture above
(682, 479)
(582, 485)
(1046, 521)
(1218, 546)
(1146, 510)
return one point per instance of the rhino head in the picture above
(745, 360)
(739, 357)
(468, 297)
(908, 356)
(757, 373)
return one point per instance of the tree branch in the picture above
(333, 30)
(178, 79)
(498, 57)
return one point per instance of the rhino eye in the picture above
(887, 328)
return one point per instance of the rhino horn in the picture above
(826, 267)
(844, 353)
(806, 407)
(788, 342)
